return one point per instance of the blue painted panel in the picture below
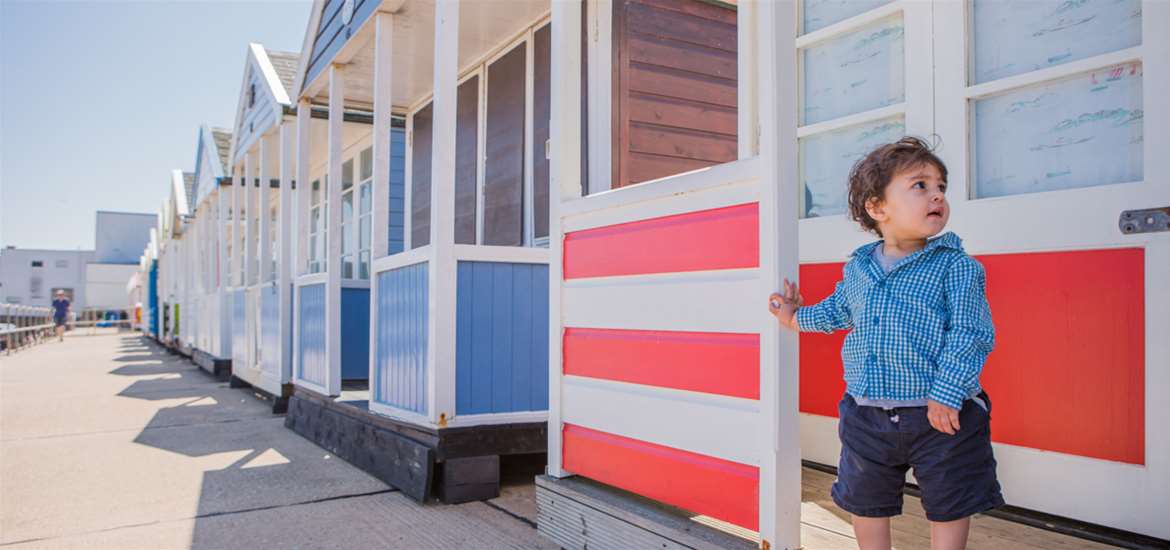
(397, 189)
(501, 338)
(270, 330)
(401, 368)
(239, 327)
(355, 333)
(152, 298)
(311, 317)
(332, 33)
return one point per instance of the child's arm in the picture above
(970, 335)
(830, 315)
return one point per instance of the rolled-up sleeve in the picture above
(831, 314)
(969, 334)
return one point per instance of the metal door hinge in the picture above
(1147, 220)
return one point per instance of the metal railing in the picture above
(23, 326)
(95, 318)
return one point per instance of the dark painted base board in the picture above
(452, 464)
(279, 402)
(216, 366)
(575, 512)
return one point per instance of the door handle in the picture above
(1146, 220)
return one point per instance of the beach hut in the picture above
(441, 296)
(1045, 114)
(212, 247)
(261, 164)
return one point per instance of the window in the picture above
(348, 240)
(1067, 131)
(38, 263)
(365, 210)
(853, 96)
(501, 179)
(252, 94)
(318, 209)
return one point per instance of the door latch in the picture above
(1146, 220)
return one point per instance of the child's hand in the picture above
(942, 417)
(784, 306)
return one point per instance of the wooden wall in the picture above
(675, 93)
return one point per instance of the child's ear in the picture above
(874, 208)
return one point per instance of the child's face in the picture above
(914, 205)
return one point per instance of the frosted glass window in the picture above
(825, 161)
(818, 14)
(856, 72)
(1076, 132)
(1017, 37)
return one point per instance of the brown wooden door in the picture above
(675, 94)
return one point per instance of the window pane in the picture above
(825, 161)
(347, 267)
(856, 72)
(346, 223)
(367, 161)
(364, 233)
(316, 199)
(364, 199)
(420, 179)
(466, 157)
(818, 14)
(1017, 37)
(1076, 132)
(364, 265)
(504, 149)
(346, 174)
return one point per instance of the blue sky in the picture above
(99, 101)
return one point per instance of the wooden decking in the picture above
(825, 526)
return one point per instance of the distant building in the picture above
(31, 276)
(91, 278)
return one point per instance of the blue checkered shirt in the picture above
(922, 331)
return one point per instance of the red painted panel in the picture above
(702, 484)
(1068, 370)
(721, 238)
(724, 364)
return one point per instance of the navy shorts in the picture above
(956, 473)
(59, 321)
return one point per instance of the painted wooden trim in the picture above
(355, 283)
(402, 259)
(851, 24)
(442, 271)
(881, 113)
(503, 254)
(496, 419)
(697, 301)
(312, 279)
(286, 236)
(744, 170)
(265, 243)
(1056, 72)
(720, 196)
(333, 256)
(709, 486)
(778, 426)
(275, 87)
(564, 184)
(401, 414)
(381, 142)
(599, 84)
(714, 425)
(716, 363)
(722, 238)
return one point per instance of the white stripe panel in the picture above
(684, 202)
(704, 301)
(718, 426)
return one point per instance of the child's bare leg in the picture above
(872, 533)
(949, 535)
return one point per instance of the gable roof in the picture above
(285, 64)
(223, 145)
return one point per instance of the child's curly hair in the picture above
(871, 175)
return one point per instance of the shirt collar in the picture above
(946, 240)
